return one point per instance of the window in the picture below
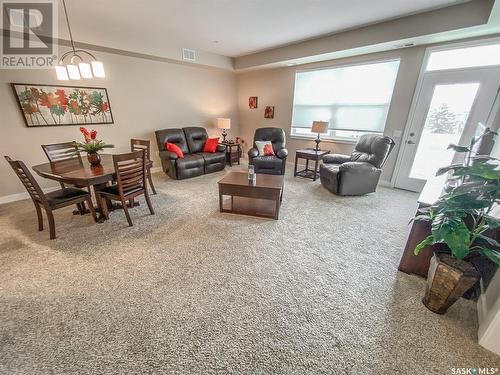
(353, 99)
(466, 57)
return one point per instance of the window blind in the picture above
(350, 98)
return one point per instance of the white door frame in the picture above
(418, 91)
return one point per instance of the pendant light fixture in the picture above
(72, 64)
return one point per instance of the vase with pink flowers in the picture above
(92, 146)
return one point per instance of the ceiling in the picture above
(226, 27)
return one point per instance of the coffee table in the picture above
(261, 199)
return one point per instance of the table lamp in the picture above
(320, 127)
(224, 123)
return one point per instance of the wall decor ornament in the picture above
(269, 112)
(252, 102)
(49, 105)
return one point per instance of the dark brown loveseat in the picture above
(191, 141)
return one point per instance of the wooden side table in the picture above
(233, 152)
(309, 154)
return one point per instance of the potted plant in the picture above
(92, 146)
(460, 219)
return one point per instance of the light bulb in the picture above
(73, 71)
(62, 73)
(85, 70)
(98, 69)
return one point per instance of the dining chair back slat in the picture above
(130, 170)
(141, 144)
(65, 156)
(144, 144)
(62, 151)
(27, 179)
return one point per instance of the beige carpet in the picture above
(193, 291)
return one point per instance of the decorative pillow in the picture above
(211, 145)
(172, 147)
(265, 148)
(268, 150)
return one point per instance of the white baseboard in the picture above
(21, 196)
(385, 183)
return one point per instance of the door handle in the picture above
(410, 142)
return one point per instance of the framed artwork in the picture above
(252, 102)
(49, 105)
(269, 112)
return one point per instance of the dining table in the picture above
(80, 173)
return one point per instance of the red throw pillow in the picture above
(211, 145)
(268, 150)
(172, 147)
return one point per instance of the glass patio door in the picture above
(449, 108)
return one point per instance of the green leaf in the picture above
(458, 148)
(492, 222)
(489, 241)
(422, 218)
(443, 170)
(485, 170)
(464, 203)
(453, 232)
(471, 187)
(493, 255)
(483, 157)
(422, 245)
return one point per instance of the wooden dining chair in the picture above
(65, 154)
(59, 152)
(130, 172)
(51, 201)
(143, 144)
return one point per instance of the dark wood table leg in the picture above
(278, 204)
(220, 201)
(100, 216)
(230, 155)
(295, 169)
(315, 169)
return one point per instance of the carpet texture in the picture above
(193, 291)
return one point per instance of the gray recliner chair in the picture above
(358, 173)
(269, 164)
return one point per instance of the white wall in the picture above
(144, 95)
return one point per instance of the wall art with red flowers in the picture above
(47, 105)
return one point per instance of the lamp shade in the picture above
(320, 127)
(224, 123)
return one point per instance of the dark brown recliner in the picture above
(191, 140)
(269, 164)
(358, 173)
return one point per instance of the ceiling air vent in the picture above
(188, 54)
